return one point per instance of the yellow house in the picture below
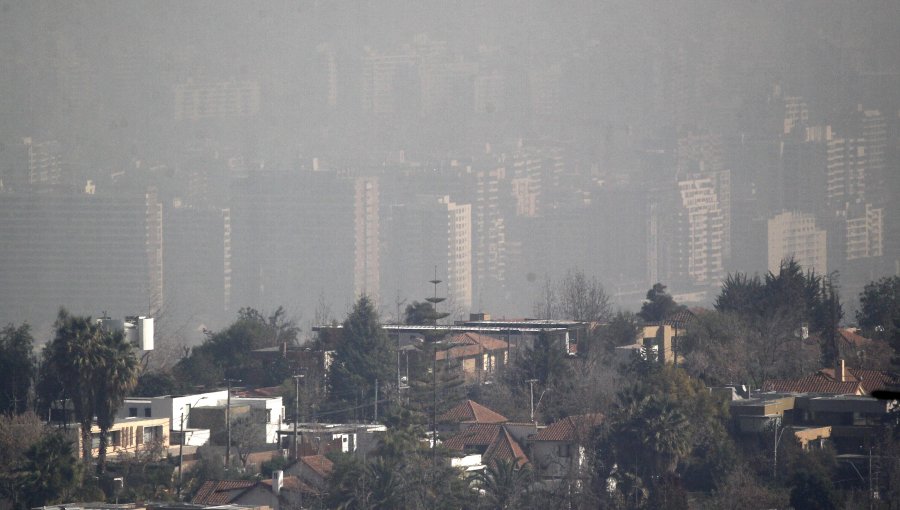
(148, 436)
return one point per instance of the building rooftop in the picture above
(470, 411)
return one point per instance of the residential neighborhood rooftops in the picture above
(814, 384)
(221, 492)
(477, 435)
(471, 411)
(319, 464)
(570, 428)
(505, 448)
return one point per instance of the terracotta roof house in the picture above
(312, 469)
(252, 492)
(221, 492)
(557, 451)
(488, 442)
(466, 413)
(505, 448)
(844, 381)
(480, 356)
(814, 384)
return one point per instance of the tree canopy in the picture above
(659, 304)
(364, 354)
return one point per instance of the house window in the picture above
(114, 438)
(132, 412)
(152, 434)
(147, 412)
(564, 450)
(95, 441)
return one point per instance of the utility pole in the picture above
(775, 450)
(376, 400)
(531, 385)
(228, 422)
(297, 378)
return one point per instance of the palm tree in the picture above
(665, 432)
(502, 482)
(114, 379)
(74, 356)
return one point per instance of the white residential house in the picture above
(178, 409)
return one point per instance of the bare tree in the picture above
(582, 298)
(574, 297)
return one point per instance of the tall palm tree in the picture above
(74, 356)
(115, 377)
(665, 433)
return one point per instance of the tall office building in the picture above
(366, 239)
(390, 84)
(197, 257)
(794, 234)
(298, 236)
(217, 100)
(427, 233)
(87, 252)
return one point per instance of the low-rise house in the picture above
(849, 422)
(557, 451)
(480, 444)
(322, 438)
(279, 492)
(312, 470)
(481, 357)
(134, 436)
(466, 413)
(840, 381)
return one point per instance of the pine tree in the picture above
(365, 354)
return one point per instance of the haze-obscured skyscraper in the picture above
(794, 234)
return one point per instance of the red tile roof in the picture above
(853, 338)
(505, 447)
(470, 411)
(292, 483)
(221, 492)
(814, 384)
(320, 464)
(459, 351)
(571, 428)
(870, 380)
(477, 435)
(487, 342)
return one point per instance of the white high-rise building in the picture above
(794, 234)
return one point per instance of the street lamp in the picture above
(181, 446)
(296, 378)
(228, 421)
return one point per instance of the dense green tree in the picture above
(116, 376)
(741, 294)
(545, 361)
(828, 315)
(658, 305)
(226, 353)
(879, 310)
(623, 329)
(154, 384)
(663, 423)
(420, 313)
(364, 355)
(50, 473)
(812, 490)
(17, 366)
